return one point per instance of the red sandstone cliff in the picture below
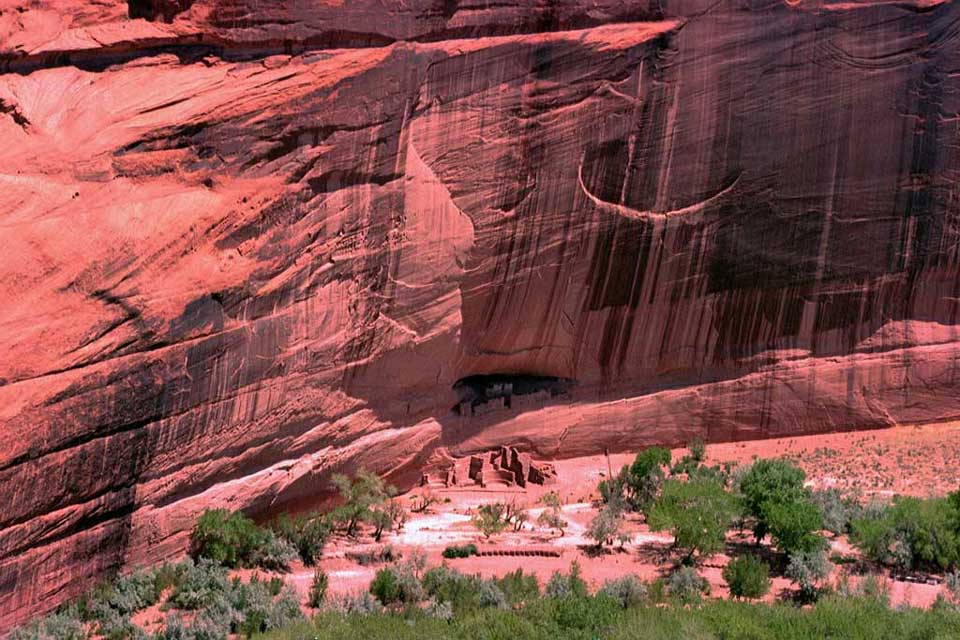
(243, 243)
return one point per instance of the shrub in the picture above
(173, 629)
(253, 603)
(697, 513)
(462, 551)
(228, 538)
(423, 501)
(627, 591)
(285, 610)
(307, 534)
(491, 595)
(441, 610)
(398, 584)
(875, 588)
(200, 585)
(215, 621)
(836, 512)
(808, 570)
(566, 585)
(952, 581)
(274, 553)
(362, 604)
(204, 627)
(169, 575)
(686, 586)
(551, 516)
(386, 586)
(318, 588)
(606, 525)
(116, 626)
(518, 587)
(259, 611)
(911, 533)
(134, 592)
(698, 450)
(449, 585)
(747, 577)
(57, 626)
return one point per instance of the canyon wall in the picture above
(244, 244)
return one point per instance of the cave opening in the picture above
(156, 9)
(478, 390)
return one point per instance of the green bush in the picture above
(686, 586)
(396, 584)
(910, 534)
(566, 585)
(747, 577)
(318, 588)
(308, 535)
(808, 570)
(228, 538)
(642, 479)
(836, 511)
(518, 587)
(449, 585)
(57, 626)
(627, 591)
(168, 575)
(274, 553)
(386, 586)
(460, 551)
(200, 585)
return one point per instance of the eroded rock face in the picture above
(249, 243)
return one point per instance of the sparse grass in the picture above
(588, 617)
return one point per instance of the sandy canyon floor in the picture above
(907, 460)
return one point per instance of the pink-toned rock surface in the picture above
(246, 243)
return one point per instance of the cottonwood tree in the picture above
(607, 526)
(364, 499)
(551, 516)
(698, 513)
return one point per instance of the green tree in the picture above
(386, 516)
(697, 513)
(308, 534)
(747, 577)
(910, 533)
(795, 526)
(551, 516)
(362, 496)
(606, 526)
(226, 537)
(490, 519)
(642, 479)
(769, 482)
